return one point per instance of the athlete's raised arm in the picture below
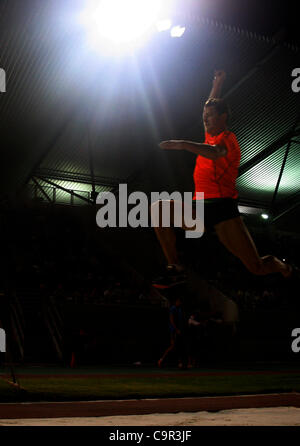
(214, 123)
(218, 81)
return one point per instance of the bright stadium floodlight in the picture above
(177, 31)
(264, 216)
(121, 24)
(163, 25)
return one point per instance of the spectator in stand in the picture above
(79, 346)
(177, 334)
(195, 335)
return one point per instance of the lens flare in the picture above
(177, 31)
(120, 23)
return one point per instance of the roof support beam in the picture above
(69, 191)
(49, 147)
(91, 163)
(283, 165)
(41, 189)
(279, 38)
(272, 148)
(281, 172)
(77, 177)
(286, 211)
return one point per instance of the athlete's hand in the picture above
(172, 144)
(219, 76)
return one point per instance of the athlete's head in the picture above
(215, 116)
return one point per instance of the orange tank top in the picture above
(217, 178)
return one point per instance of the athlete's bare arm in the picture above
(206, 150)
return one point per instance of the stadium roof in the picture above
(71, 121)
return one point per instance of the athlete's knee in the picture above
(256, 267)
(158, 205)
(154, 205)
(155, 211)
(162, 213)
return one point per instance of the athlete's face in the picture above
(213, 122)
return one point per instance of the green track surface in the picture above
(74, 385)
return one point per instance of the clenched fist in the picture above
(220, 76)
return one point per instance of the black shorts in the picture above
(217, 210)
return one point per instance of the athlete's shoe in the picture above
(171, 278)
(294, 273)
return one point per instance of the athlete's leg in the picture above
(167, 241)
(236, 238)
(168, 350)
(166, 235)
